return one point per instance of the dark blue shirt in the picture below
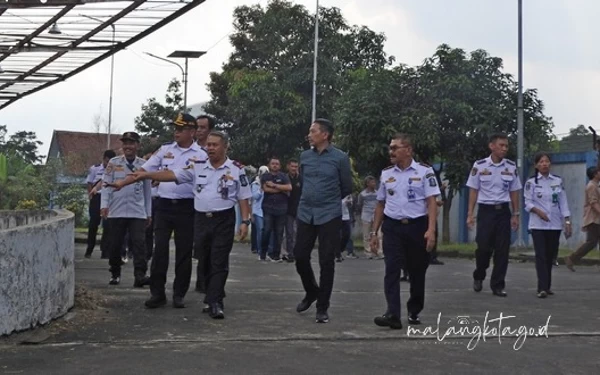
(326, 179)
(275, 203)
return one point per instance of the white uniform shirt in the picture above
(494, 182)
(171, 156)
(215, 189)
(405, 191)
(548, 195)
(95, 174)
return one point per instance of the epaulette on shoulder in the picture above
(555, 175)
(167, 143)
(480, 161)
(425, 165)
(390, 167)
(97, 165)
(238, 164)
(510, 162)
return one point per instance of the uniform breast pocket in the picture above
(167, 163)
(486, 180)
(506, 181)
(415, 192)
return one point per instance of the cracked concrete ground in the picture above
(113, 333)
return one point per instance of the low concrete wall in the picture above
(37, 271)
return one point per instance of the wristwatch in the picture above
(247, 222)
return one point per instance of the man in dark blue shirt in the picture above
(276, 186)
(326, 179)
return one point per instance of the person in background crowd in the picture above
(591, 219)
(276, 187)
(291, 226)
(546, 201)
(257, 212)
(367, 200)
(94, 187)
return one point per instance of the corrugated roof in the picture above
(80, 150)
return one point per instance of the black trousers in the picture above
(136, 229)
(213, 241)
(545, 244)
(404, 247)
(95, 220)
(150, 232)
(172, 215)
(329, 244)
(493, 238)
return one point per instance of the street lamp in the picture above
(520, 127)
(316, 55)
(112, 74)
(186, 55)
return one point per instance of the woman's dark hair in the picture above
(536, 159)
(591, 172)
(368, 179)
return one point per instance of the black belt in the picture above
(407, 221)
(216, 213)
(498, 206)
(176, 201)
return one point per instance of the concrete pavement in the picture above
(111, 332)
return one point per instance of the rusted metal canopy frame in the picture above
(26, 45)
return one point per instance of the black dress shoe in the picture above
(322, 317)
(156, 301)
(88, 255)
(436, 262)
(216, 312)
(414, 320)
(388, 320)
(305, 304)
(178, 302)
(499, 292)
(550, 293)
(477, 285)
(404, 278)
(115, 280)
(140, 283)
(206, 308)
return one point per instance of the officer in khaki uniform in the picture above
(406, 213)
(128, 210)
(219, 184)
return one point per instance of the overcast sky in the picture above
(561, 58)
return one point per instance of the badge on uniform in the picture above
(243, 180)
(432, 182)
(199, 188)
(390, 192)
(539, 194)
(411, 194)
(554, 197)
(474, 171)
(528, 186)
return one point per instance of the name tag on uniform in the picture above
(485, 172)
(169, 155)
(415, 178)
(119, 168)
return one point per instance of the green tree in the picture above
(263, 94)
(579, 139)
(23, 144)
(450, 105)
(153, 122)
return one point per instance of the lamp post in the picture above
(520, 127)
(316, 56)
(186, 55)
(112, 74)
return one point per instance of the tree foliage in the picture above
(263, 95)
(153, 123)
(22, 144)
(450, 104)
